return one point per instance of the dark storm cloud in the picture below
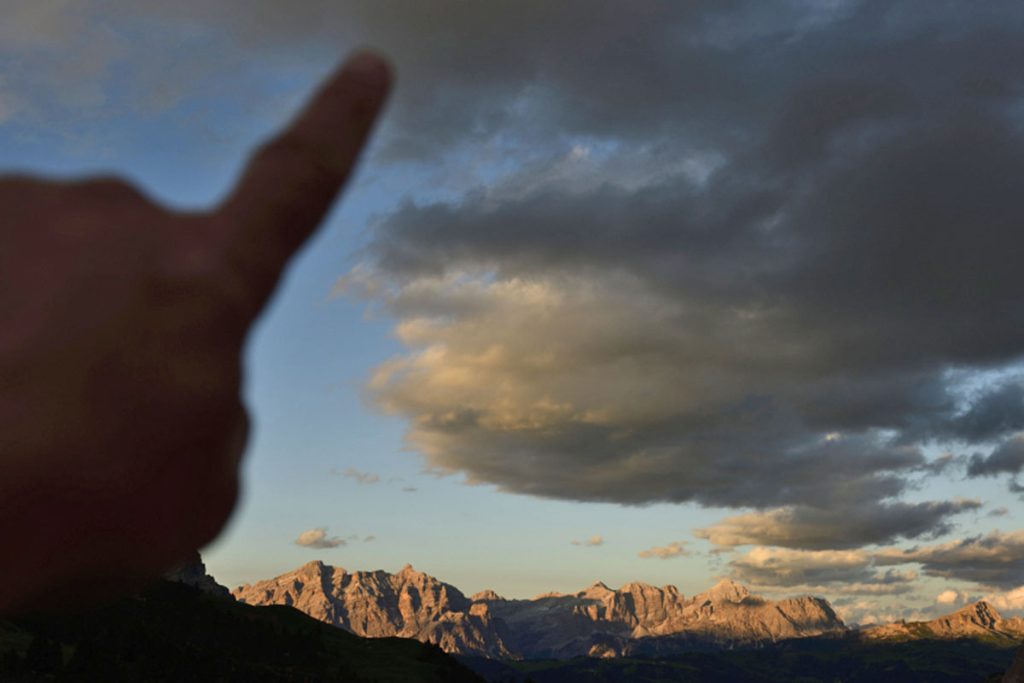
(743, 259)
(993, 414)
(745, 255)
(836, 526)
(1007, 458)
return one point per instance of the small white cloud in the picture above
(359, 476)
(667, 552)
(591, 542)
(950, 597)
(317, 538)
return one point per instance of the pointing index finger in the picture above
(292, 180)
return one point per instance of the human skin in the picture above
(121, 329)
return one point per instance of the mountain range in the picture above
(189, 627)
(637, 619)
(978, 621)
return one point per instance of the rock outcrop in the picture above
(408, 604)
(597, 621)
(979, 620)
(192, 572)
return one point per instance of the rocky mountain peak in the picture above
(485, 596)
(972, 617)
(978, 619)
(725, 590)
(547, 596)
(407, 604)
(638, 587)
(312, 568)
(596, 589)
(981, 613)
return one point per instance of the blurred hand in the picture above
(121, 327)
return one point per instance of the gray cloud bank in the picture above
(847, 572)
(1008, 457)
(995, 559)
(818, 528)
(763, 263)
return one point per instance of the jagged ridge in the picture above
(596, 621)
(979, 620)
(407, 604)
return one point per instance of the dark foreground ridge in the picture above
(1016, 672)
(177, 632)
(847, 659)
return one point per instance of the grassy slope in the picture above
(175, 633)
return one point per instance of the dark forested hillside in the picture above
(174, 632)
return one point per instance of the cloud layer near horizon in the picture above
(847, 572)
(995, 559)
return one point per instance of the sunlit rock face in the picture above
(408, 604)
(643, 619)
(977, 620)
(596, 621)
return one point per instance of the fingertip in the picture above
(370, 68)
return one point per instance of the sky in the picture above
(665, 292)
